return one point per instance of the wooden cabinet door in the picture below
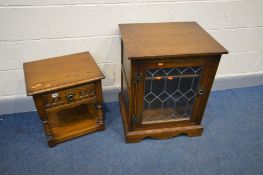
(173, 92)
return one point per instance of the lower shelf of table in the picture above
(67, 124)
(66, 132)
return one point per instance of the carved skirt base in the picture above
(158, 133)
(164, 133)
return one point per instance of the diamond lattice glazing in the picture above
(169, 93)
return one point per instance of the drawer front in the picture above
(70, 95)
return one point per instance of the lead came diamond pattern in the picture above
(169, 93)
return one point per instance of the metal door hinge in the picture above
(201, 90)
(135, 119)
(137, 78)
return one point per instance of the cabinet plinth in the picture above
(167, 73)
(68, 95)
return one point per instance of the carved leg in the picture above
(43, 117)
(100, 118)
(50, 138)
(99, 112)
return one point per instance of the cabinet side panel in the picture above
(126, 72)
(127, 67)
(125, 93)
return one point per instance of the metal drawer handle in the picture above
(70, 97)
(92, 92)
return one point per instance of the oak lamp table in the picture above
(167, 73)
(67, 94)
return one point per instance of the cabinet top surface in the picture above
(60, 72)
(144, 40)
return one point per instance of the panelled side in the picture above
(126, 82)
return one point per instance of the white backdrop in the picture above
(32, 30)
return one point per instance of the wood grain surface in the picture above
(60, 72)
(159, 46)
(174, 39)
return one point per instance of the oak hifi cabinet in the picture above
(67, 94)
(167, 73)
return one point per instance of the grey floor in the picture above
(232, 143)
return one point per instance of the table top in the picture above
(60, 72)
(148, 40)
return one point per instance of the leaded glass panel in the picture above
(169, 93)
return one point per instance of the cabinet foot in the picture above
(102, 127)
(51, 143)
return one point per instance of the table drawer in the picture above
(69, 95)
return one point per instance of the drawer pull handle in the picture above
(70, 97)
(92, 92)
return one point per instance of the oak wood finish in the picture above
(164, 45)
(68, 95)
(172, 39)
(60, 72)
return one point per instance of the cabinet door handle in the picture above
(201, 90)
